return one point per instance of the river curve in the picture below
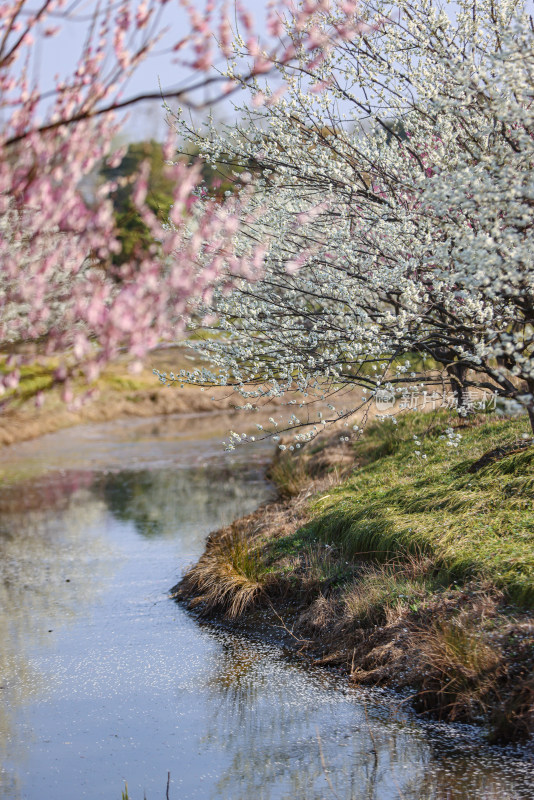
(104, 679)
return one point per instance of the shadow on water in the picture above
(104, 679)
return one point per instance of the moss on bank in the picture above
(404, 559)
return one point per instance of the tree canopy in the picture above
(65, 289)
(395, 209)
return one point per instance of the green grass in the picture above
(289, 475)
(123, 383)
(375, 592)
(395, 504)
(34, 378)
(37, 377)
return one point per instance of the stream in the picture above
(105, 680)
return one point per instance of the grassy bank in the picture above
(402, 558)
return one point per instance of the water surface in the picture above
(104, 679)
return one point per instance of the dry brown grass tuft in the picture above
(513, 719)
(513, 715)
(365, 600)
(383, 594)
(330, 461)
(289, 475)
(321, 615)
(229, 577)
(459, 667)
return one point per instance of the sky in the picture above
(59, 55)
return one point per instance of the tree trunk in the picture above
(456, 374)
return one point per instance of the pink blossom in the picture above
(58, 283)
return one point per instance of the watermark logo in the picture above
(417, 400)
(384, 400)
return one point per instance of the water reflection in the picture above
(160, 501)
(177, 442)
(296, 732)
(49, 534)
(104, 679)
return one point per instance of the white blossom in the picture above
(395, 208)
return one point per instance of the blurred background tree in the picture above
(133, 234)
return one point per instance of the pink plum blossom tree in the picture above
(58, 293)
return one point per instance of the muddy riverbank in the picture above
(117, 394)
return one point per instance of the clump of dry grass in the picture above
(228, 577)
(321, 615)
(315, 568)
(513, 719)
(289, 475)
(379, 595)
(512, 715)
(460, 668)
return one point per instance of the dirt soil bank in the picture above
(432, 619)
(118, 393)
(25, 423)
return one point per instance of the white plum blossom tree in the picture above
(393, 194)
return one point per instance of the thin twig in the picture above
(284, 626)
